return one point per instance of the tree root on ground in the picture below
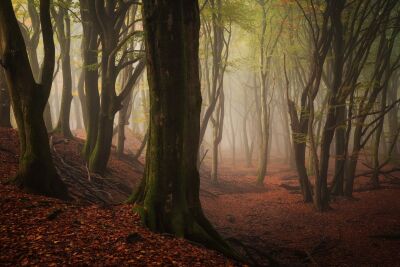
(86, 187)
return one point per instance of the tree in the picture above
(31, 36)
(127, 103)
(4, 103)
(110, 17)
(267, 47)
(63, 31)
(168, 197)
(36, 172)
(386, 61)
(89, 49)
(319, 35)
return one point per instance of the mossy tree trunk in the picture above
(63, 30)
(168, 197)
(36, 170)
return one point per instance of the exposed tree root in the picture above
(86, 187)
(249, 254)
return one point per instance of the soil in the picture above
(271, 224)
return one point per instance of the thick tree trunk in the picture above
(168, 198)
(36, 170)
(5, 120)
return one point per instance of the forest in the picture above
(200, 133)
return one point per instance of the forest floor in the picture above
(273, 223)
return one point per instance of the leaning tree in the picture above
(37, 173)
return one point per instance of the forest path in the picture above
(275, 220)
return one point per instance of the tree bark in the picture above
(5, 120)
(168, 198)
(91, 74)
(63, 30)
(36, 172)
(341, 148)
(217, 121)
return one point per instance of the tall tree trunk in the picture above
(78, 113)
(123, 120)
(263, 150)
(247, 147)
(82, 97)
(32, 43)
(378, 138)
(232, 130)
(219, 60)
(393, 119)
(36, 172)
(341, 148)
(168, 198)
(99, 157)
(217, 120)
(5, 120)
(109, 16)
(299, 132)
(91, 74)
(263, 111)
(63, 30)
